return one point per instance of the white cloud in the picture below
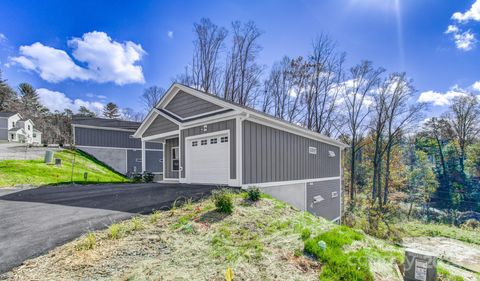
(441, 99)
(54, 100)
(170, 34)
(472, 14)
(51, 64)
(465, 41)
(3, 37)
(106, 60)
(452, 29)
(476, 86)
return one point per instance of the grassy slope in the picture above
(260, 241)
(36, 172)
(416, 228)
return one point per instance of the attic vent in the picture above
(331, 153)
(312, 150)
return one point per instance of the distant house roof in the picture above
(105, 123)
(7, 114)
(15, 129)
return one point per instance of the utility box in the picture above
(48, 157)
(420, 266)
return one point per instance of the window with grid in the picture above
(224, 139)
(203, 142)
(213, 141)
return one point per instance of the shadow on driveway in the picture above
(131, 198)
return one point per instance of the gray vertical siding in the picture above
(185, 105)
(3, 134)
(169, 143)
(159, 126)
(272, 155)
(213, 127)
(109, 138)
(329, 208)
(132, 164)
(154, 161)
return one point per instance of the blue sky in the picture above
(136, 44)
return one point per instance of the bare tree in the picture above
(464, 116)
(325, 73)
(207, 47)
(242, 73)
(393, 116)
(357, 100)
(151, 96)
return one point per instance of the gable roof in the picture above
(177, 87)
(104, 123)
(7, 114)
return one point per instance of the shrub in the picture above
(88, 242)
(155, 216)
(338, 265)
(223, 201)
(136, 177)
(115, 231)
(136, 224)
(306, 234)
(254, 193)
(148, 176)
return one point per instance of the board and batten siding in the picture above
(159, 126)
(109, 138)
(272, 155)
(185, 105)
(212, 127)
(329, 207)
(168, 173)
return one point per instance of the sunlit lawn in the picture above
(36, 172)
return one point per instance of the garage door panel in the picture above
(208, 159)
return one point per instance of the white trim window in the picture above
(213, 141)
(175, 159)
(224, 139)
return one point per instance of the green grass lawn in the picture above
(36, 172)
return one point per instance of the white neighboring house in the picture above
(13, 128)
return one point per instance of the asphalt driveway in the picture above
(36, 220)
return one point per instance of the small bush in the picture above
(88, 242)
(155, 216)
(136, 224)
(148, 176)
(115, 231)
(137, 177)
(223, 201)
(306, 234)
(254, 193)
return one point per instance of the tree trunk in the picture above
(387, 174)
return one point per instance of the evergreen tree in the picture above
(31, 107)
(83, 111)
(111, 111)
(8, 97)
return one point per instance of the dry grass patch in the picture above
(260, 241)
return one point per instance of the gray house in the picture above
(208, 140)
(111, 142)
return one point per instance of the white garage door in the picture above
(207, 159)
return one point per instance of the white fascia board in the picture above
(281, 183)
(161, 136)
(101, 128)
(269, 121)
(145, 124)
(166, 116)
